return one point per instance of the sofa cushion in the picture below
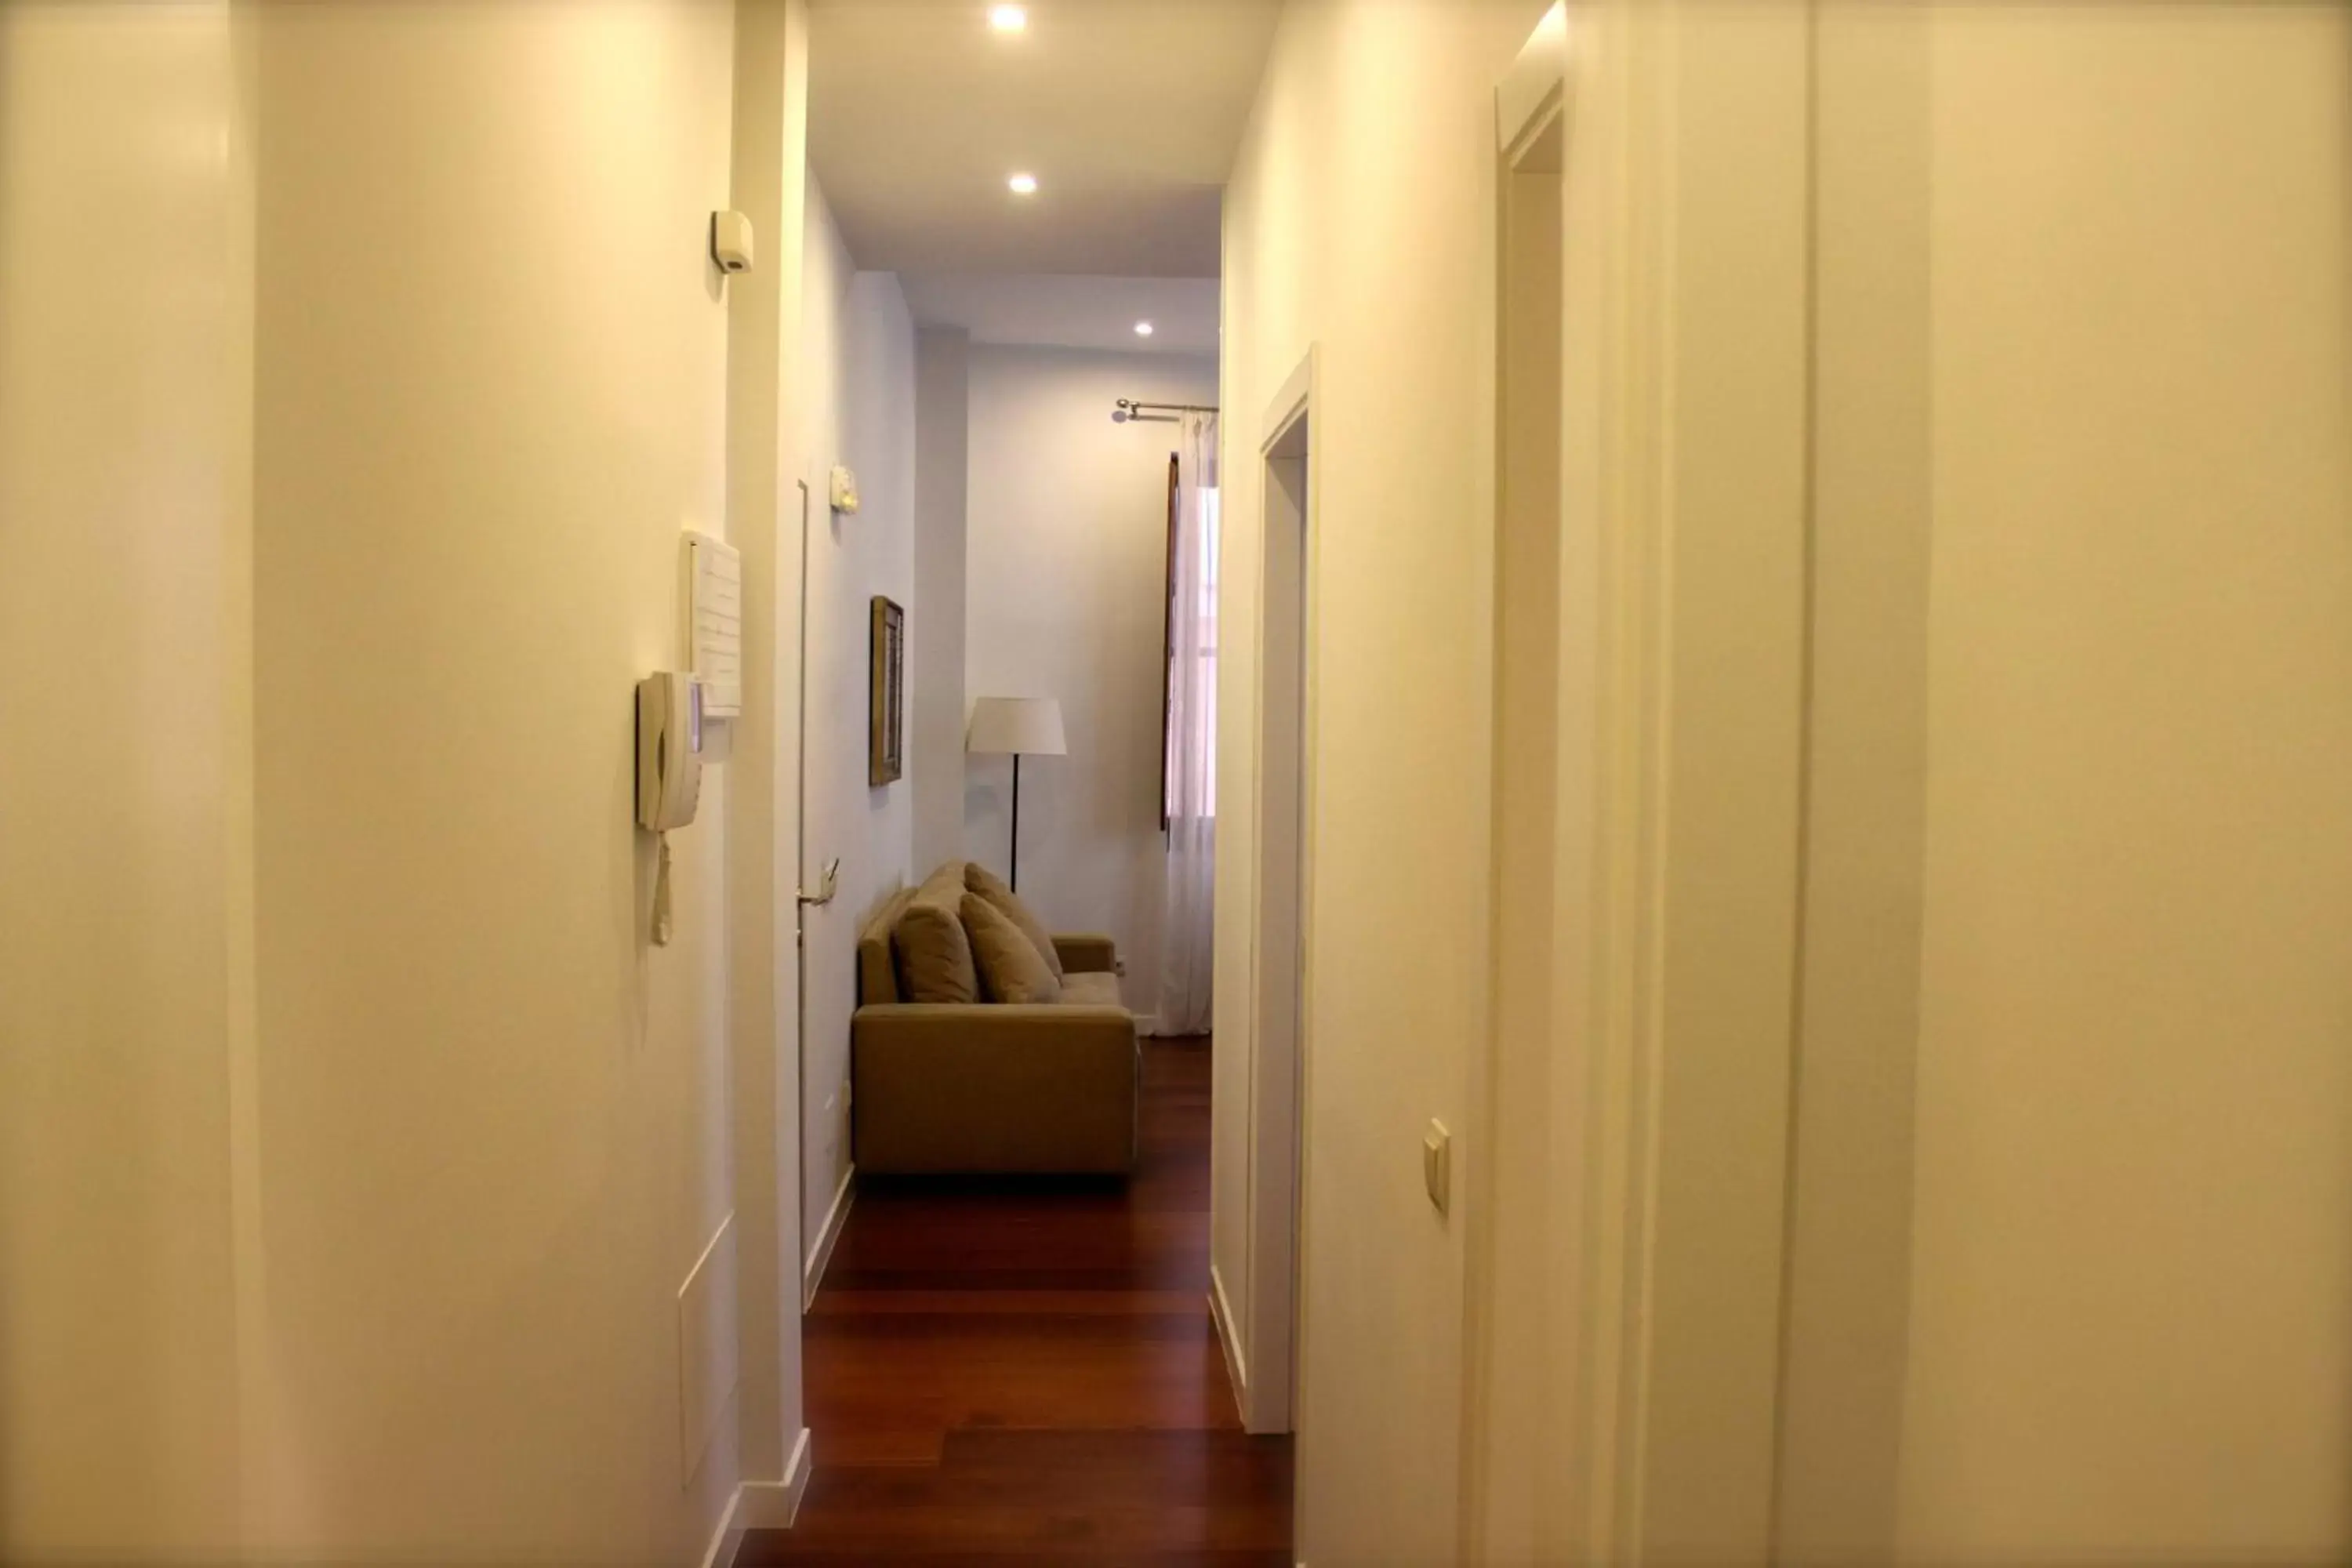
(1011, 969)
(994, 889)
(935, 961)
(1091, 990)
(877, 969)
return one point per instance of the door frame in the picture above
(1686, 541)
(1667, 1068)
(1281, 990)
(1507, 1223)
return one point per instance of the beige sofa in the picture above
(990, 1086)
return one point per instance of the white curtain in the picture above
(1187, 923)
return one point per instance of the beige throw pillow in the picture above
(1011, 969)
(1014, 907)
(935, 963)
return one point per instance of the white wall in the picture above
(857, 391)
(2119, 1300)
(935, 621)
(494, 1143)
(1362, 222)
(1357, 222)
(358, 1149)
(1065, 597)
(125, 540)
(2051, 907)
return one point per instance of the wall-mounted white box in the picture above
(714, 618)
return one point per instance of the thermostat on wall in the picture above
(844, 489)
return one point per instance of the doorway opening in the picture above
(1015, 1304)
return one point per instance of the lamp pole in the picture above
(1013, 727)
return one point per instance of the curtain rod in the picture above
(1128, 409)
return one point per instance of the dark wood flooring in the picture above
(1024, 1371)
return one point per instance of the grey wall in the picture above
(935, 622)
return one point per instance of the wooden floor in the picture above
(1024, 1371)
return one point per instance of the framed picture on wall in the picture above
(886, 760)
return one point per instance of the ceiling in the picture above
(1127, 111)
(1069, 312)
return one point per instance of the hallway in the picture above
(1024, 1372)
(1746, 771)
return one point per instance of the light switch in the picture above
(1437, 1164)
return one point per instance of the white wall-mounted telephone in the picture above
(669, 770)
(669, 750)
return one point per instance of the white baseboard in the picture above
(827, 1235)
(1147, 1024)
(773, 1505)
(761, 1505)
(1221, 1312)
(727, 1537)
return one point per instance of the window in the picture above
(1188, 782)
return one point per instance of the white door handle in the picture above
(826, 888)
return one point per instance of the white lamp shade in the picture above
(1024, 726)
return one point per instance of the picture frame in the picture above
(886, 760)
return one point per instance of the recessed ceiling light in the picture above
(1142, 329)
(1023, 184)
(1008, 18)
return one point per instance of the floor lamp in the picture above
(1016, 727)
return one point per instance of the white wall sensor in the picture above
(731, 241)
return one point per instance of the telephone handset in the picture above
(669, 750)
(669, 770)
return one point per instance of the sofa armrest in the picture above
(1088, 954)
